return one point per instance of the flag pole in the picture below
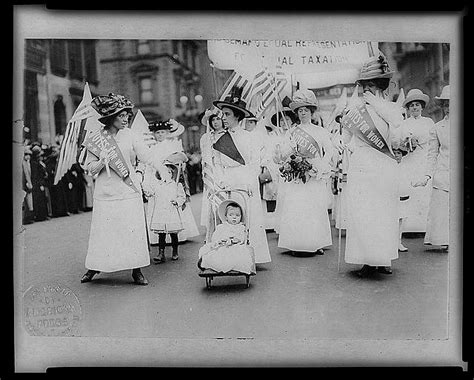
(339, 209)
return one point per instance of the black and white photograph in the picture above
(236, 190)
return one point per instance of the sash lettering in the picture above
(101, 139)
(306, 144)
(359, 122)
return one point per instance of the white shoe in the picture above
(402, 248)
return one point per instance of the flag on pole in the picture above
(75, 132)
(236, 80)
(268, 86)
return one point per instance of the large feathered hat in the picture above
(416, 94)
(303, 98)
(234, 101)
(375, 67)
(111, 104)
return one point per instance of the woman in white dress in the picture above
(117, 238)
(214, 129)
(235, 162)
(437, 229)
(414, 164)
(372, 231)
(304, 219)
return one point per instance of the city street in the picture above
(291, 297)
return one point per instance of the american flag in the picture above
(267, 88)
(75, 132)
(237, 80)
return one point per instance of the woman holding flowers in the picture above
(304, 157)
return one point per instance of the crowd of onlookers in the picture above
(44, 199)
(74, 191)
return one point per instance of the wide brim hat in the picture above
(176, 130)
(375, 67)
(445, 94)
(415, 94)
(221, 208)
(303, 98)
(285, 111)
(110, 105)
(234, 101)
(237, 104)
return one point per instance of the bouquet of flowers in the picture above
(297, 168)
(409, 145)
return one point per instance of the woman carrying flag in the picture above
(235, 160)
(118, 239)
(372, 234)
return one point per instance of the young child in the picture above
(169, 196)
(227, 249)
(404, 194)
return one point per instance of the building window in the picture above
(90, 61)
(31, 105)
(75, 59)
(59, 116)
(146, 90)
(143, 47)
(58, 57)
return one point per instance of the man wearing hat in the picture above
(235, 159)
(413, 164)
(372, 234)
(437, 170)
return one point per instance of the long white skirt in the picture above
(414, 166)
(437, 230)
(117, 239)
(304, 220)
(372, 233)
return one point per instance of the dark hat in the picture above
(160, 125)
(375, 67)
(234, 101)
(111, 104)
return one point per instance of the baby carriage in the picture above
(219, 201)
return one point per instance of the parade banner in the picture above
(306, 144)
(101, 139)
(294, 56)
(359, 122)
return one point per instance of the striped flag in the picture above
(268, 86)
(236, 80)
(75, 132)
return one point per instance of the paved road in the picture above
(293, 297)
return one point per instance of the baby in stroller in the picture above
(228, 249)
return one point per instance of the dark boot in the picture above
(384, 270)
(174, 244)
(365, 271)
(89, 275)
(138, 277)
(160, 258)
(174, 255)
